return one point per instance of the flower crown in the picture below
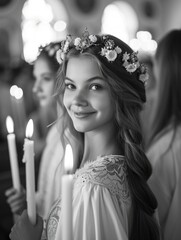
(109, 50)
(51, 49)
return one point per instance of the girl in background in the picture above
(164, 150)
(45, 69)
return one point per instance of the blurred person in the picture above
(146, 113)
(164, 148)
(45, 68)
(100, 93)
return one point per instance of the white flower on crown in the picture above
(118, 50)
(144, 77)
(131, 67)
(130, 62)
(93, 38)
(111, 55)
(77, 41)
(60, 56)
(66, 46)
(103, 51)
(126, 57)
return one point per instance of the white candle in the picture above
(65, 227)
(13, 153)
(30, 172)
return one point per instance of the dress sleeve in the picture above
(102, 201)
(97, 215)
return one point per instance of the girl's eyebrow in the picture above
(44, 74)
(89, 80)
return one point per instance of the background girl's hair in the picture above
(48, 52)
(168, 105)
(128, 94)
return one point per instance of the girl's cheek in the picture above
(66, 100)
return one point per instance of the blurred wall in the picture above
(89, 13)
(10, 30)
(156, 16)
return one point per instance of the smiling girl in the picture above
(100, 93)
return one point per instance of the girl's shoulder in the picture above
(107, 171)
(111, 164)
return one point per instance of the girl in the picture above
(45, 68)
(100, 93)
(164, 150)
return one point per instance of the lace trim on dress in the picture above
(52, 222)
(108, 171)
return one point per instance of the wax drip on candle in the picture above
(29, 134)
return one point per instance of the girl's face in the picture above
(87, 97)
(44, 81)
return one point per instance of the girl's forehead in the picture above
(83, 66)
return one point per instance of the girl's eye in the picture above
(69, 86)
(47, 79)
(95, 87)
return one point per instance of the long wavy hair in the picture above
(128, 95)
(168, 104)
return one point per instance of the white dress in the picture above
(166, 182)
(49, 186)
(102, 207)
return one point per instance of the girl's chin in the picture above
(44, 103)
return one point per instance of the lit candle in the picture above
(65, 232)
(13, 153)
(30, 172)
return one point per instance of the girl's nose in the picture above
(80, 99)
(37, 86)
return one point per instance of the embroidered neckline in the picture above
(100, 157)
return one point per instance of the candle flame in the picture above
(29, 129)
(68, 161)
(9, 124)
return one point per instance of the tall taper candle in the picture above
(30, 172)
(13, 153)
(65, 226)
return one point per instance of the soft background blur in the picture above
(25, 25)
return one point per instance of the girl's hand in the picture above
(24, 230)
(16, 200)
